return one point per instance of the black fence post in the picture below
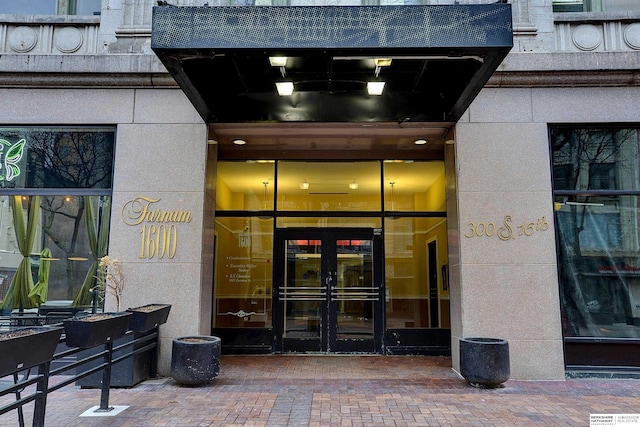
(42, 387)
(153, 369)
(106, 378)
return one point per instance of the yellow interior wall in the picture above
(224, 196)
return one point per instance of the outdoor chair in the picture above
(55, 317)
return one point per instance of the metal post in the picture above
(106, 378)
(41, 391)
(154, 355)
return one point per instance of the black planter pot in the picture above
(148, 316)
(195, 360)
(27, 347)
(84, 332)
(484, 362)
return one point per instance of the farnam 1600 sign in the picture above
(158, 231)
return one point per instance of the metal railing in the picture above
(146, 343)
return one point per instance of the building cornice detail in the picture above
(519, 69)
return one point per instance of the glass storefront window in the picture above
(414, 186)
(55, 194)
(243, 276)
(598, 234)
(245, 186)
(328, 186)
(416, 273)
(61, 229)
(599, 269)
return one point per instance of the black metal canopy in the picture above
(441, 58)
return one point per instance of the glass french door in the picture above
(328, 290)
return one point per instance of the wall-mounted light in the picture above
(375, 88)
(239, 141)
(420, 141)
(353, 185)
(304, 185)
(284, 88)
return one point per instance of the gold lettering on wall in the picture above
(508, 230)
(139, 210)
(158, 231)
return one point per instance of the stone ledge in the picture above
(85, 80)
(628, 78)
(98, 64)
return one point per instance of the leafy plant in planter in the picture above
(24, 348)
(110, 279)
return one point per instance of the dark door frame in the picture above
(329, 236)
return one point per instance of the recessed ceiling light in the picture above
(284, 88)
(375, 88)
(278, 61)
(420, 141)
(239, 141)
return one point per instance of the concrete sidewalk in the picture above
(279, 390)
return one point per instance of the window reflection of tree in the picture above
(70, 160)
(591, 227)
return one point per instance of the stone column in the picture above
(504, 284)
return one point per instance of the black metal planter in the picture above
(484, 362)
(24, 348)
(195, 360)
(90, 331)
(148, 316)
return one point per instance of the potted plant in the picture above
(134, 369)
(27, 347)
(89, 331)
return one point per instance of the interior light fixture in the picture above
(393, 195)
(420, 141)
(375, 88)
(354, 185)
(304, 185)
(239, 141)
(278, 61)
(284, 88)
(382, 62)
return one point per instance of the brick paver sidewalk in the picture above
(344, 391)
